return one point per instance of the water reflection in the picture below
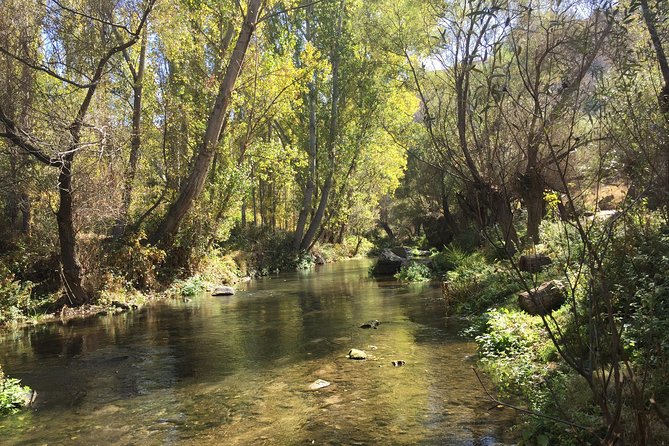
(236, 370)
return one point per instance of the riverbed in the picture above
(237, 370)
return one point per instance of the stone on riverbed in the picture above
(318, 384)
(223, 291)
(371, 324)
(354, 353)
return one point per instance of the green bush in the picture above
(414, 272)
(472, 284)
(13, 396)
(518, 354)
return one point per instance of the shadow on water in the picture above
(236, 370)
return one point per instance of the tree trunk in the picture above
(314, 225)
(663, 99)
(533, 195)
(310, 187)
(194, 184)
(135, 142)
(71, 268)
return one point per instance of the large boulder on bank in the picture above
(223, 291)
(388, 264)
(544, 299)
(533, 263)
(402, 251)
(437, 231)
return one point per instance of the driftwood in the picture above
(533, 263)
(543, 299)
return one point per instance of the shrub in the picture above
(414, 272)
(13, 396)
(473, 285)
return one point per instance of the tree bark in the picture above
(136, 140)
(663, 99)
(309, 238)
(311, 174)
(72, 273)
(194, 184)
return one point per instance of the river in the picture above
(236, 370)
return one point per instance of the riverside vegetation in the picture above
(152, 148)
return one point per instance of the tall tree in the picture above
(194, 184)
(63, 160)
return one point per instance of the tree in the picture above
(63, 160)
(194, 184)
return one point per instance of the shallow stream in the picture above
(237, 370)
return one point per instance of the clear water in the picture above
(236, 370)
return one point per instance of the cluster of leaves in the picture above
(414, 272)
(517, 353)
(472, 284)
(13, 396)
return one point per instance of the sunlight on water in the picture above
(236, 370)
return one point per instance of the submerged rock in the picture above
(354, 353)
(223, 291)
(319, 384)
(371, 324)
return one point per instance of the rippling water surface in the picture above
(236, 370)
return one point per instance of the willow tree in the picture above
(61, 69)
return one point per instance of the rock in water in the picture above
(356, 354)
(318, 384)
(402, 251)
(223, 291)
(388, 264)
(371, 324)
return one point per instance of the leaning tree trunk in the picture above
(194, 184)
(649, 20)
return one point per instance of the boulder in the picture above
(388, 264)
(533, 263)
(437, 231)
(356, 354)
(542, 300)
(223, 291)
(402, 251)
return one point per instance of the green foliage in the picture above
(448, 259)
(192, 286)
(13, 396)
(136, 261)
(515, 350)
(472, 284)
(414, 272)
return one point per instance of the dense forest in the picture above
(150, 145)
